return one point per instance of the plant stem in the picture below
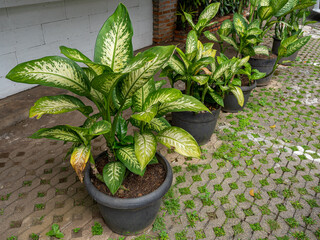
(94, 168)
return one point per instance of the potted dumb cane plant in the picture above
(290, 21)
(116, 80)
(245, 35)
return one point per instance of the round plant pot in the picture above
(199, 125)
(133, 215)
(284, 61)
(231, 102)
(263, 65)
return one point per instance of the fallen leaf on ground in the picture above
(273, 126)
(251, 192)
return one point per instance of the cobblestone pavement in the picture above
(258, 178)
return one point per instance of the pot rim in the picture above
(130, 203)
(250, 87)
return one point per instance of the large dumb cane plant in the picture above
(115, 81)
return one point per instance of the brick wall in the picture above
(164, 18)
(31, 29)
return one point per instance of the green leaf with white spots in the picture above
(89, 73)
(231, 41)
(217, 98)
(240, 24)
(261, 50)
(177, 65)
(113, 175)
(189, 19)
(286, 8)
(52, 71)
(191, 43)
(209, 12)
(106, 82)
(265, 12)
(201, 79)
(138, 78)
(61, 132)
(128, 157)
(198, 65)
(185, 103)
(114, 42)
(156, 124)
(140, 96)
(145, 146)
(163, 95)
(91, 120)
(210, 36)
(183, 57)
(77, 56)
(101, 127)
(297, 45)
(160, 84)
(58, 104)
(179, 140)
(79, 159)
(237, 92)
(146, 115)
(225, 28)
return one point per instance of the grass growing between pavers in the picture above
(267, 165)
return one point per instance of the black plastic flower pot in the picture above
(133, 215)
(285, 60)
(200, 125)
(231, 102)
(265, 66)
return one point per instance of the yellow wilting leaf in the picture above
(273, 126)
(79, 159)
(251, 192)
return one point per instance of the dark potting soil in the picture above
(261, 56)
(133, 185)
(244, 80)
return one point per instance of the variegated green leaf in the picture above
(265, 12)
(101, 127)
(163, 95)
(191, 43)
(286, 8)
(96, 95)
(61, 132)
(261, 50)
(89, 73)
(225, 28)
(156, 124)
(79, 159)
(177, 65)
(58, 104)
(201, 79)
(145, 146)
(277, 4)
(297, 45)
(210, 36)
(52, 71)
(255, 24)
(179, 140)
(146, 115)
(198, 65)
(77, 56)
(209, 12)
(113, 175)
(91, 120)
(237, 92)
(160, 84)
(217, 98)
(106, 82)
(221, 69)
(254, 31)
(231, 41)
(185, 103)
(305, 5)
(139, 98)
(183, 57)
(240, 24)
(189, 19)
(114, 42)
(140, 77)
(128, 157)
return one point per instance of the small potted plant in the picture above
(290, 21)
(205, 79)
(116, 80)
(247, 76)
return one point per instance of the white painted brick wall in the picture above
(30, 29)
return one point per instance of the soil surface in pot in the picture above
(133, 185)
(261, 56)
(244, 80)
